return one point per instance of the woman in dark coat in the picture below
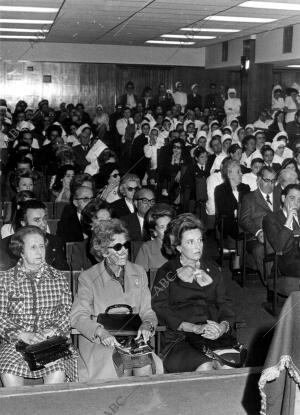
(189, 298)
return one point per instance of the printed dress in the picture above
(33, 302)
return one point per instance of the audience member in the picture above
(128, 185)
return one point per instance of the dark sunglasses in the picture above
(131, 189)
(119, 246)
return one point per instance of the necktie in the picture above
(268, 200)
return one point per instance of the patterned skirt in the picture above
(12, 362)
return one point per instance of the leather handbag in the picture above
(39, 354)
(119, 321)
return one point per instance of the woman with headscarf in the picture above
(283, 137)
(278, 148)
(232, 106)
(194, 99)
(180, 97)
(277, 100)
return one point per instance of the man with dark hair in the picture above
(34, 212)
(255, 205)
(282, 230)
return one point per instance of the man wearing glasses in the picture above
(143, 199)
(129, 184)
(255, 205)
(69, 227)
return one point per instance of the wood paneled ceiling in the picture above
(133, 22)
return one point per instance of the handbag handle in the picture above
(111, 307)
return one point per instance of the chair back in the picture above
(77, 255)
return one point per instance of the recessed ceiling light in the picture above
(189, 37)
(240, 19)
(11, 29)
(169, 42)
(21, 37)
(293, 66)
(28, 9)
(196, 29)
(270, 5)
(25, 21)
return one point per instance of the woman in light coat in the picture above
(115, 280)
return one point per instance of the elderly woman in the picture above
(129, 183)
(189, 298)
(115, 280)
(156, 221)
(35, 302)
(95, 211)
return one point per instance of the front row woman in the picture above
(35, 304)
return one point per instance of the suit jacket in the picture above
(55, 253)
(123, 99)
(69, 227)
(282, 239)
(226, 204)
(133, 226)
(210, 161)
(196, 178)
(279, 236)
(138, 156)
(194, 101)
(254, 207)
(120, 208)
(80, 159)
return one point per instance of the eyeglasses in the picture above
(131, 189)
(86, 199)
(115, 175)
(147, 201)
(272, 181)
(119, 246)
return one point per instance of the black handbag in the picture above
(39, 354)
(119, 321)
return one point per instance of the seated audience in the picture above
(69, 227)
(112, 281)
(156, 221)
(251, 178)
(282, 231)
(44, 297)
(129, 183)
(14, 223)
(228, 196)
(61, 187)
(84, 134)
(268, 155)
(34, 212)
(180, 286)
(107, 182)
(249, 144)
(255, 205)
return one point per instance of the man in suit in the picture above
(282, 230)
(255, 205)
(129, 184)
(228, 195)
(139, 161)
(69, 227)
(34, 212)
(215, 159)
(80, 151)
(143, 199)
(129, 99)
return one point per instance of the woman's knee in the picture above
(55, 377)
(10, 380)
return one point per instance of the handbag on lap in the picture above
(119, 321)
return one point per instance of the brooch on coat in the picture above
(190, 274)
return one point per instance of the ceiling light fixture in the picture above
(25, 21)
(240, 19)
(169, 42)
(188, 37)
(28, 9)
(270, 5)
(196, 29)
(12, 29)
(293, 66)
(21, 37)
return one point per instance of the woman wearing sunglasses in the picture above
(129, 183)
(113, 281)
(107, 182)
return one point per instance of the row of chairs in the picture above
(277, 285)
(54, 210)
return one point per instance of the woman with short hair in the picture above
(35, 302)
(128, 185)
(113, 281)
(189, 298)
